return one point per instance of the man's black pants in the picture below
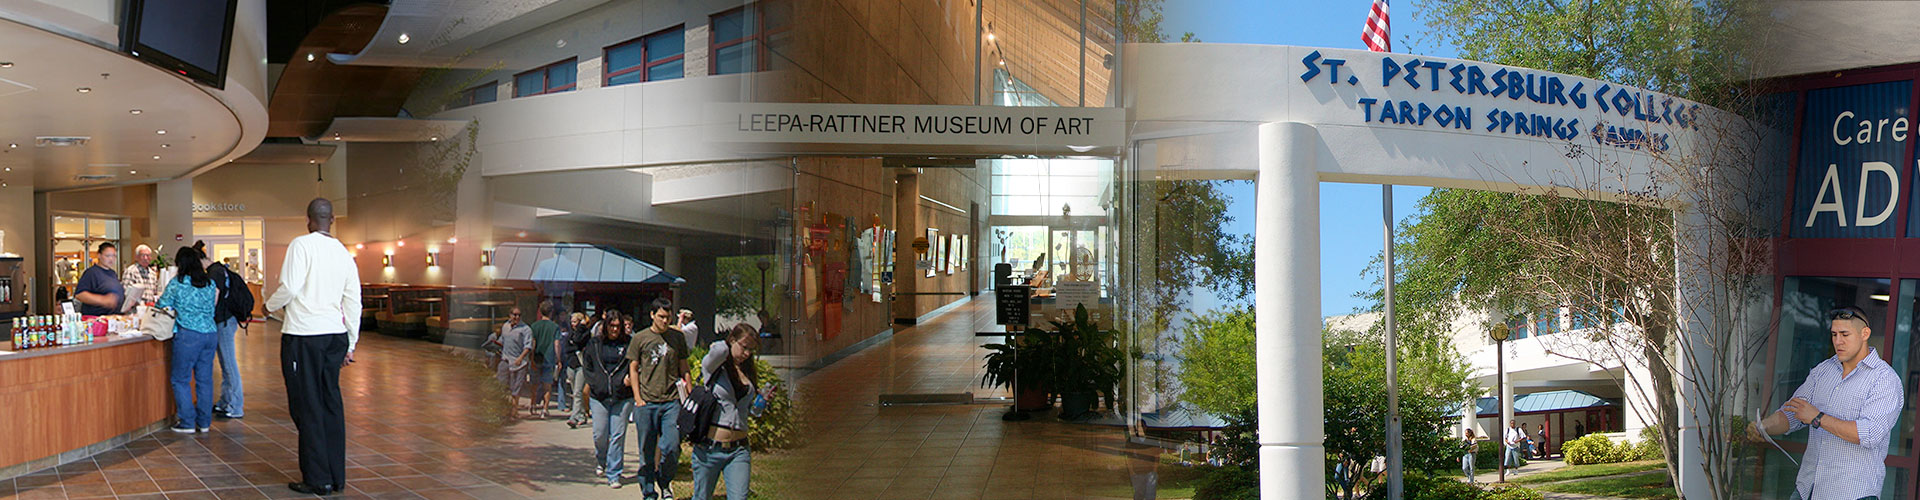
(311, 366)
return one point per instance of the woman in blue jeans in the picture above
(610, 396)
(729, 371)
(191, 295)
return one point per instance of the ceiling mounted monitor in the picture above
(188, 37)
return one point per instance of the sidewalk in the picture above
(1532, 467)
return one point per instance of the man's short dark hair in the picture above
(1847, 312)
(658, 305)
(104, 246)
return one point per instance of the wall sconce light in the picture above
(486, 257)
(386, 261)
(433, 259)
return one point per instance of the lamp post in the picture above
(1500, 335)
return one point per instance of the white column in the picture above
(1287, 313)
(671, 262)
(1696, 293)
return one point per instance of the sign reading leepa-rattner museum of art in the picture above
(911, 129)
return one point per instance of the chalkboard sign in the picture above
(1012, 304)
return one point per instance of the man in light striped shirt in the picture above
(1852, 401)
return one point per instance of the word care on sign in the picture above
(1069, 129)
(1494, 99)
(1853, 142)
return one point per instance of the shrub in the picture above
(1649, 446)
(779, 427)
(1232, 482)
(1513, 493)
(1420, 486)
(1487, 454)
(1597, 449)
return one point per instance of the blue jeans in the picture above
(1466, 466)
(1513, 456)
(562, 388)
(610, 434)
(709, 465)
(192, 376)
(232, 397)
(658, 424)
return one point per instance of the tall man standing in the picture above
(659, 373)
(320, 291)
(1851, 400)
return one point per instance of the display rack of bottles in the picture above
(39, 332)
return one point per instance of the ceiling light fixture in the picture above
(156, 157)
(130, 172)
(8, 64)
(309, 57)
(134, 111)
(401, 243)
(161, 132)
(989, 37)
(13, 145)
(83, 90)
(163, 146)
(312, 161)
(453, 240)
(434, 138)
(404, 38)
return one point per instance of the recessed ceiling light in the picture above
(166, 145)
(309, 57)
(404, 38)
(13, 145)
(136, 171)
(83, 90)
(1003, 62)
(310, 160)
(9, 169)
(401, 243)
(8, 64)
(156, 157)
(453, 240)
(434, 138)
(134, 111)
(989, 37)
(161, 131)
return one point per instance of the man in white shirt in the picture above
(142, 273)
(1514, 438)
(320, 326)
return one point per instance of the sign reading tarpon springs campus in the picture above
(1486, 98)
(922, 128)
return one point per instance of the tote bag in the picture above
(158, 322)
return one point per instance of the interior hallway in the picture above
(857, 449)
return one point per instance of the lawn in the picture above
(1586, 471)
(1173, 482)
(1642, 486)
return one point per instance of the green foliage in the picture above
(738, 281)
(1513, 493)
(1648, 447)
(1597, 449)
(1487, 454)
(1077, 356)
(779, 427)
(1422, 486)
(1232, 482)
(1432, 382)
(1216, 361)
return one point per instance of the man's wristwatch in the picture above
(1816, 419)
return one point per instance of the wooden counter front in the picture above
(61, 401)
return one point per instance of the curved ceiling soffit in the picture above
(313, 89)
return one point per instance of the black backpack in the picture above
(698, 409)
(236, 301)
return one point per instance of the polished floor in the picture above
(424, 421)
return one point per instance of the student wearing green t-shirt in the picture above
(546, 335)
(659, 373)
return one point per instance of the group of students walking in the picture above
(615, 369)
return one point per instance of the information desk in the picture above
(62, 404)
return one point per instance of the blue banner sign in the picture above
(1852, 151)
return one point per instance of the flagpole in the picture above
(1394, 486)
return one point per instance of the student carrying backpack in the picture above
(232, 309)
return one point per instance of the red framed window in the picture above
(738, 43)
(552, 78)
(482, 94)
(660, 55)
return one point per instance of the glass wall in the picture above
(1804, 342)
(236, 242)
(75, 238)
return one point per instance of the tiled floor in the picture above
(425, 422)
(860, 450)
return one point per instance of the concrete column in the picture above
(172, 215)
(701, 291)
(1287, 314)
(1696, 294)
(671, 261)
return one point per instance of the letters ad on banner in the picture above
(1853, 151)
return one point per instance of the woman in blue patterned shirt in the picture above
(192, 296)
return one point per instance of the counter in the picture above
(66, 403)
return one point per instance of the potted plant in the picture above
(1023, 359)
(1087, 365)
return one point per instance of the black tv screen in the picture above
(189, 37)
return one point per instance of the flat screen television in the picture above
(189, 37)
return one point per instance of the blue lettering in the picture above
(1542, 125)
(1666, 109)
(1406, 112)
(1464, 117)
(1456, 78)
(1621, 101)
(1536, 91)
(1572, 130)
(1579, 98)
(1387, 112)
(1500, 82)
(1388, 70)
(1476, 81)
(1556, 89)
(1333, 68)
(1312, 69)
(1493, 119)
(1433, 71)
(1600, 97)
(1443, 116)
(1424, 113)
(1521, 125)
(1367, 102)
(1514, 82)
(1412, 71)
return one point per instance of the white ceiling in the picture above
(39, 97)
(443, 32)
(1799, 37)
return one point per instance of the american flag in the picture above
(1376, 32)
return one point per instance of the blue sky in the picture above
(1350, 223)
